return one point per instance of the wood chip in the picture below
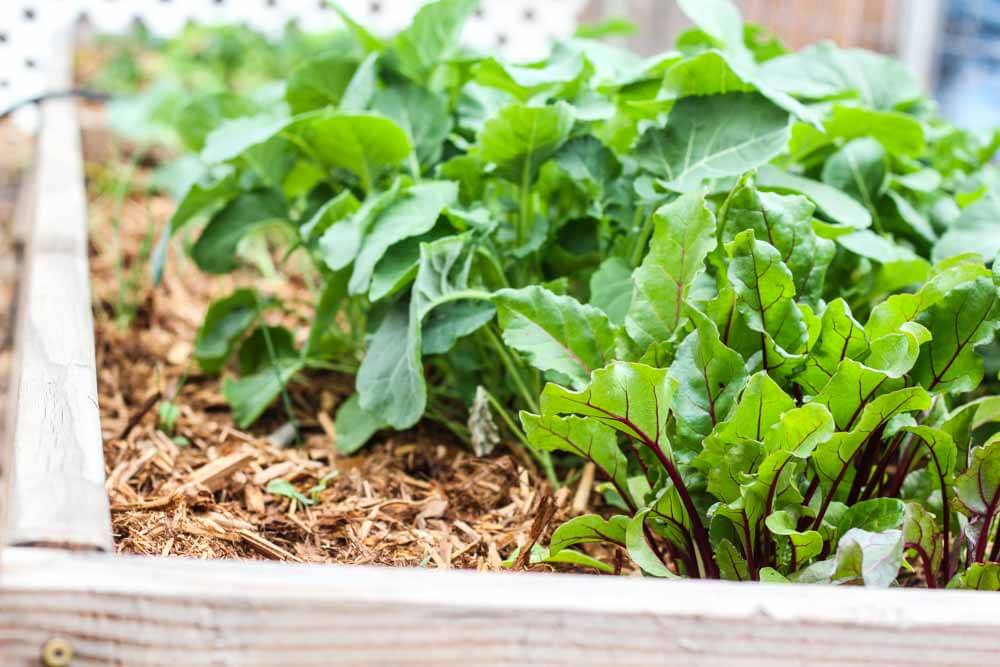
(213, 476)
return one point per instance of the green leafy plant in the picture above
(747, 279)
(779, 442)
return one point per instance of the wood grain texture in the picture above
(116, 610)
(57, 494)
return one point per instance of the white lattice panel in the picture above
(520, 29)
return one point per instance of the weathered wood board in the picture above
(115, 610)
(56, 494)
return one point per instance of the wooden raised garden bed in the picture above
(65, 599)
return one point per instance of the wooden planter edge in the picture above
(56, 494)
(155, 611)
(110, 609)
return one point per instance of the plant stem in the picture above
(700, 534)
(984, 535)
(544, 459)
(526, 213)
(273, 359)
(995, 551)
(926, 560)
(638, 250)
(459, 430)
(529, 398)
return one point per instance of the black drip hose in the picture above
(82, 93)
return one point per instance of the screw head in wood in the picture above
(57, 652)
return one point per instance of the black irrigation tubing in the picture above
(83, 93)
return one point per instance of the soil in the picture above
(418, 498)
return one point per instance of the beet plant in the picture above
(758, 439)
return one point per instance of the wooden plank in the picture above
(920, 27)
(57, 494)
(154, 611)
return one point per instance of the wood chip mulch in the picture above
(412, 499)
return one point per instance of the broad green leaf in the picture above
(340, 243)
(210, 192)
(891, 314)
(841, 337)
(713, 72)
(362, 143)
(895, 354)
(785, 221)
(424, 116)
(768, 575)
(548, 78)
(800, 430)
(978, 488)
(858, 169)
(979, 577)
(967, 317)
(233, 137)
(725, 462)
(340, 207)
(587, 529)
(319, 81)
(582, 437)
(760, 407)
(361, 88)
(883, 250)
(825, 71)
(587, 160)
(557, 333)
(720, 20)
(225, 323)
(899, 133)
(976, 230)
(831, 202)
(519, 138)
(732, 565)
(354, 426)
(412, 214)
(709, 378)
(264, 346)
(833, 458)
(682, 238)
(765, 297)
(431, 38)
(629, 397)
(705, 73)
(611, 289)
(324, 328)
(446, 324)
(871, 559)
(196, 119)
(806, 544)
(851, 388)
(713, 137)
(925, 180)
(540, 554)
(920, 530)
(251, 394)
(390, 381)
(875, 516)
(641, 552)
(367, 41)
(215, 249)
